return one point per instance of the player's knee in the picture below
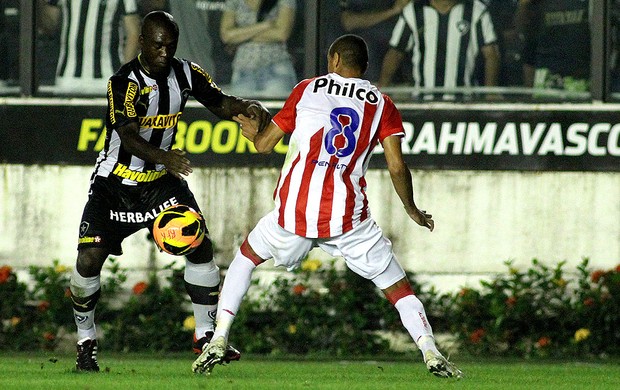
(90, 261)
(203, 254)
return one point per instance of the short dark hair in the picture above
(160, 19)
(352, 50)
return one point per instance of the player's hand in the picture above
(176, 164)
(249, 126)
(422, 218)
(259, 112)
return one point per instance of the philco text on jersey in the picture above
(346, 89)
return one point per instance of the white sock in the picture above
(236, 284)
(85, 287)
(413, 316)
(90, 333)
(204, 316)
(203, 275)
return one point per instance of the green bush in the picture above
(153, 317)
(321, 309)
(541, 311)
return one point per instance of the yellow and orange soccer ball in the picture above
(179, 230)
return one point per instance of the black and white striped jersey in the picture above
(156, 104)
(91, 40)
(443, 47)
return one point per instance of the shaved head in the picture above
(159, 19)
(352, 50)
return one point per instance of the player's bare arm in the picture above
(174, 161)
(403, 182)
(232, 106)
(392, 60)
(264, 141)
(131, 23)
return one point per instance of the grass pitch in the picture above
(41, 370)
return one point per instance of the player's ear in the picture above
(336, 58)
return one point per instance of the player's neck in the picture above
(443, 6)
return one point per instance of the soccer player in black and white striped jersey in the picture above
(96, 38)
(444, 39)
(138, 174)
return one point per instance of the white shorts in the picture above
(365, 249)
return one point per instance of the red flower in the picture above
(43, 306)
(299, 289)
(543, 342)
(618, 268)
(463, 292)
(139, 288)
(588, 301)
(5, 272)
(67, 292)
(477, 335)
(511, 301)
(597, 275)
(49, 336)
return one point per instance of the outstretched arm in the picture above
(402, 181)
(264, 140)
(232, 106)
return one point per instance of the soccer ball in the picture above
(179, 230)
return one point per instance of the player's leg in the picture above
(397, 289)
(267, 240)
(368, 253)
(98, 238)
(202, 284)
(201, 275)
(236, 285)
(85, 292)
(234, 288)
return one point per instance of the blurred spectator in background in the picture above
(443, 39)
(200, 38)
(97, 37)
(510, 42)
(9, 43)
(556, 53)
(194, 38)
(614, 56)
(146, 6)
(259, 30)
(374, 21)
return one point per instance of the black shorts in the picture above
(115, 211)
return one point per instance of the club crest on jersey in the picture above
(463, 26)
(83, 228)
(149, 89)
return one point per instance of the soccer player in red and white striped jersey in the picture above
(334, 122)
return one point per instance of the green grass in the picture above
(40, 370)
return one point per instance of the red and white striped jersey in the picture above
(334, 123)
